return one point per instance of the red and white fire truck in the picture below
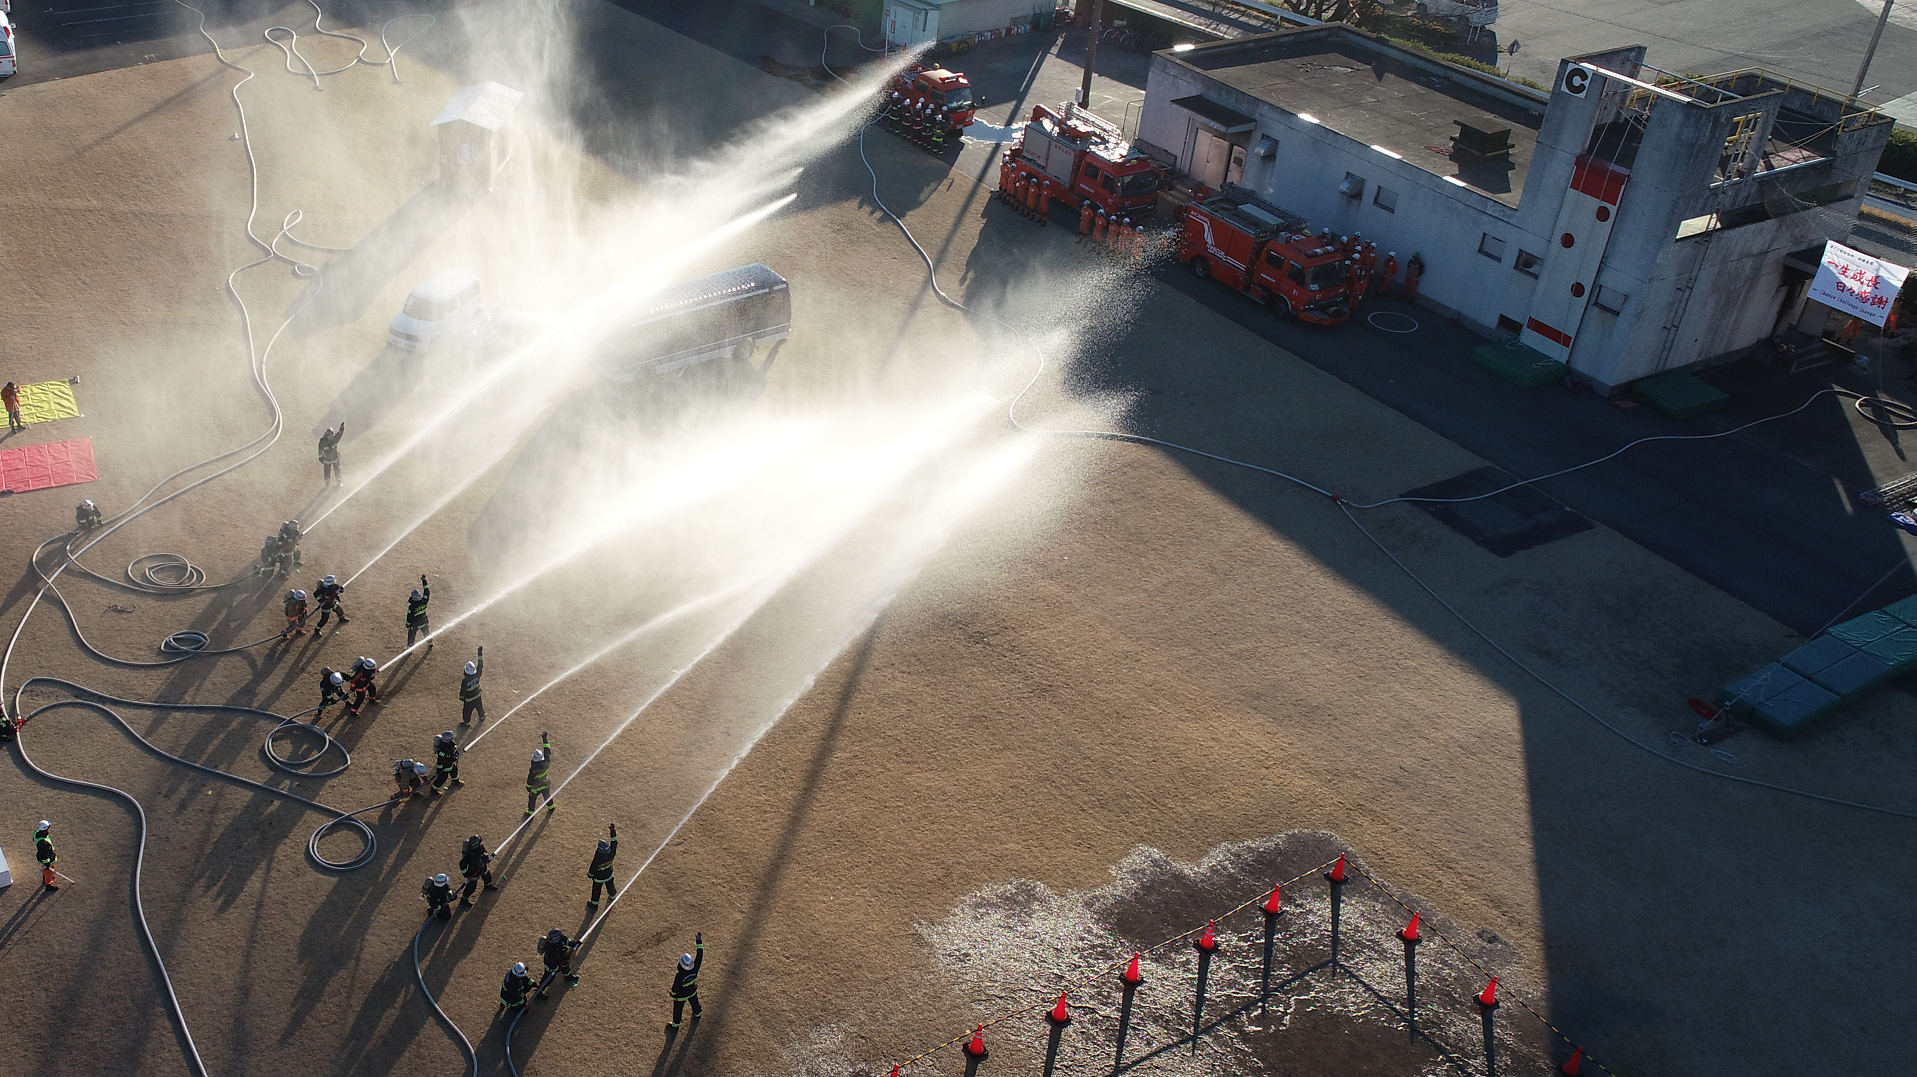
(1269, 254)
(1077, 158)
(919, 85)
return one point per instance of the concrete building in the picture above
(1628, 222)
(918, 22)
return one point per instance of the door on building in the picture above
(1211, 159)
(1235, 172)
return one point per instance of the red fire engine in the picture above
(949, 90)
(1270, 255)
(1076, 158)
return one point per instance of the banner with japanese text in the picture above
(1857, 284)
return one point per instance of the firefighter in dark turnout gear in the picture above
(445, 762)
(512, 993)
(473, 861)
(685, 981)
(469, 701)
(601, 870)
(43, 852)
(555, 950)
(439, 896)
(539, 777)
(332, 689)
(361, 683)
(326, 595)
(329, 454)
(416, 612)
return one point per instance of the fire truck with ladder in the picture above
(1243, 241)
(1076, 157)
(918, 86)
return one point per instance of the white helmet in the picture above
(419, 769)
(87, 504)
(685, 961)
(337, 678)
(440, 878)
(44, 825)
(416, 595)
(471, 669)
(539, 756)
(328, 580)
(519, 968)
(448, 735)
(299, 594)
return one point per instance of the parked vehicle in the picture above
(9, 60)
(446, 302)
(941, 89)
(729, 314)
(1074, 156)
(1255, 247)
(1465, 12)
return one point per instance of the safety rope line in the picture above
(1116, 967)
(1426, 927)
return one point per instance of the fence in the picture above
(1246, 958)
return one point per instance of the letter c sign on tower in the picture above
(1577, 79)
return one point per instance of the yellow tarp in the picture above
(45, 401)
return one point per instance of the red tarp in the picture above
(57, 463)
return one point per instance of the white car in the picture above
(443, 303)
(9, 63)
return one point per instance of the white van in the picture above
(9, 63)
(442, 303)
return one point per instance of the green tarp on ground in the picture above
(1904, 610)
(1855, 677)
(1794, 710)
(1679, 396)
(1871, 627)
(1817, 655)
(1519, 364)
(1897, 650)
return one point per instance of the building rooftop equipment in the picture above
(1391, 98)
(1252, 213)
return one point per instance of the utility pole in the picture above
(1862, 70)
(1098, 20)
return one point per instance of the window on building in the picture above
(1491, 247)
(1611, 299)
(1508, 324)
(1385, 199)
(1526, 262)
(1353, 186)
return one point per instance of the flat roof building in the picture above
(1628, 222)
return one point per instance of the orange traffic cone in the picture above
(1573, 1065)
(1271, 903)
(1132, 975)
(1060, 1015)
(1410, 932)
(1337, 874)
(1209, 940)
(1489, 996)
(976, 1048)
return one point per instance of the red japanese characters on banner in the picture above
(1857, 284)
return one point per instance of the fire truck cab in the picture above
(1081, 158)
(940, 88)
(1269, 254)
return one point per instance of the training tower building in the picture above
(1627, 222)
